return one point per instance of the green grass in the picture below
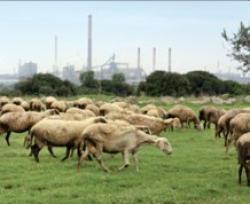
(198, 171)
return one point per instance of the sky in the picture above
(191, 29)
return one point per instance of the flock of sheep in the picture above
(93, 127)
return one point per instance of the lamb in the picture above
(115, 138)
(185, 114)
(243, 150)
(210, 114)
(61, 106)
(20, 121)
(59, 133)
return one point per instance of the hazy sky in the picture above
(192, 29)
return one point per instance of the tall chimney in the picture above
(56, 56)
(89, 57)
(138, 57)
(169, 59)
(154, 56)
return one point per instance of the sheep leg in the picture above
(240, 172)
(204, 124)
(81, 156)
(247, 174)
(208, 125)
(125, 155)
(35, 151)
(7, 138)
(135, 160)
(72, 152)
(67, 153)
(98, 156)
(51, 151)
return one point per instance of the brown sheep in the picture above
(21, 121)
(59, 133)
(224, 122)
(185, 114)
(239, 125)
(210, 114)
(243, 150)
(115, 138)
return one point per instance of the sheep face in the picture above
(164, 145)
(198, 126)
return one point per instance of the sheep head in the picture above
(198, 126)
(163, 144)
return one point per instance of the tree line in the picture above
(158, 83)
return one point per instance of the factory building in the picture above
(27, 70)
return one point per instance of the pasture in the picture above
(198, 171)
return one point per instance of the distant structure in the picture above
(70, 74)
(89, 57)
(169, 59)
(27, 70)
(133, 75)
(55, 66)
(154, 58)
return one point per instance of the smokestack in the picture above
(89, 58)
(138, 57)
(56, 56)
(169, 59)
(154, 55)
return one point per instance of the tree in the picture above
(204, 83)
(87, 79)
(118, 78)
(240, 47)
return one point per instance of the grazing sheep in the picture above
(49, 100)
(239, 125)
(59, 133)
(3, 101)
(84, 113)
(37, 105)
(155, 125)
(10, 107)
(82, 103)
(185, 114)
(61, 106)
(243, 149)
(210, 114)
(173, 123)
(108, 107)
(25, 105)
(21, 121)
(93, 108)
(154, 111)
(115, 138)
(224, 123)
(17, 101)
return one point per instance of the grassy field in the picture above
(198, 171)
